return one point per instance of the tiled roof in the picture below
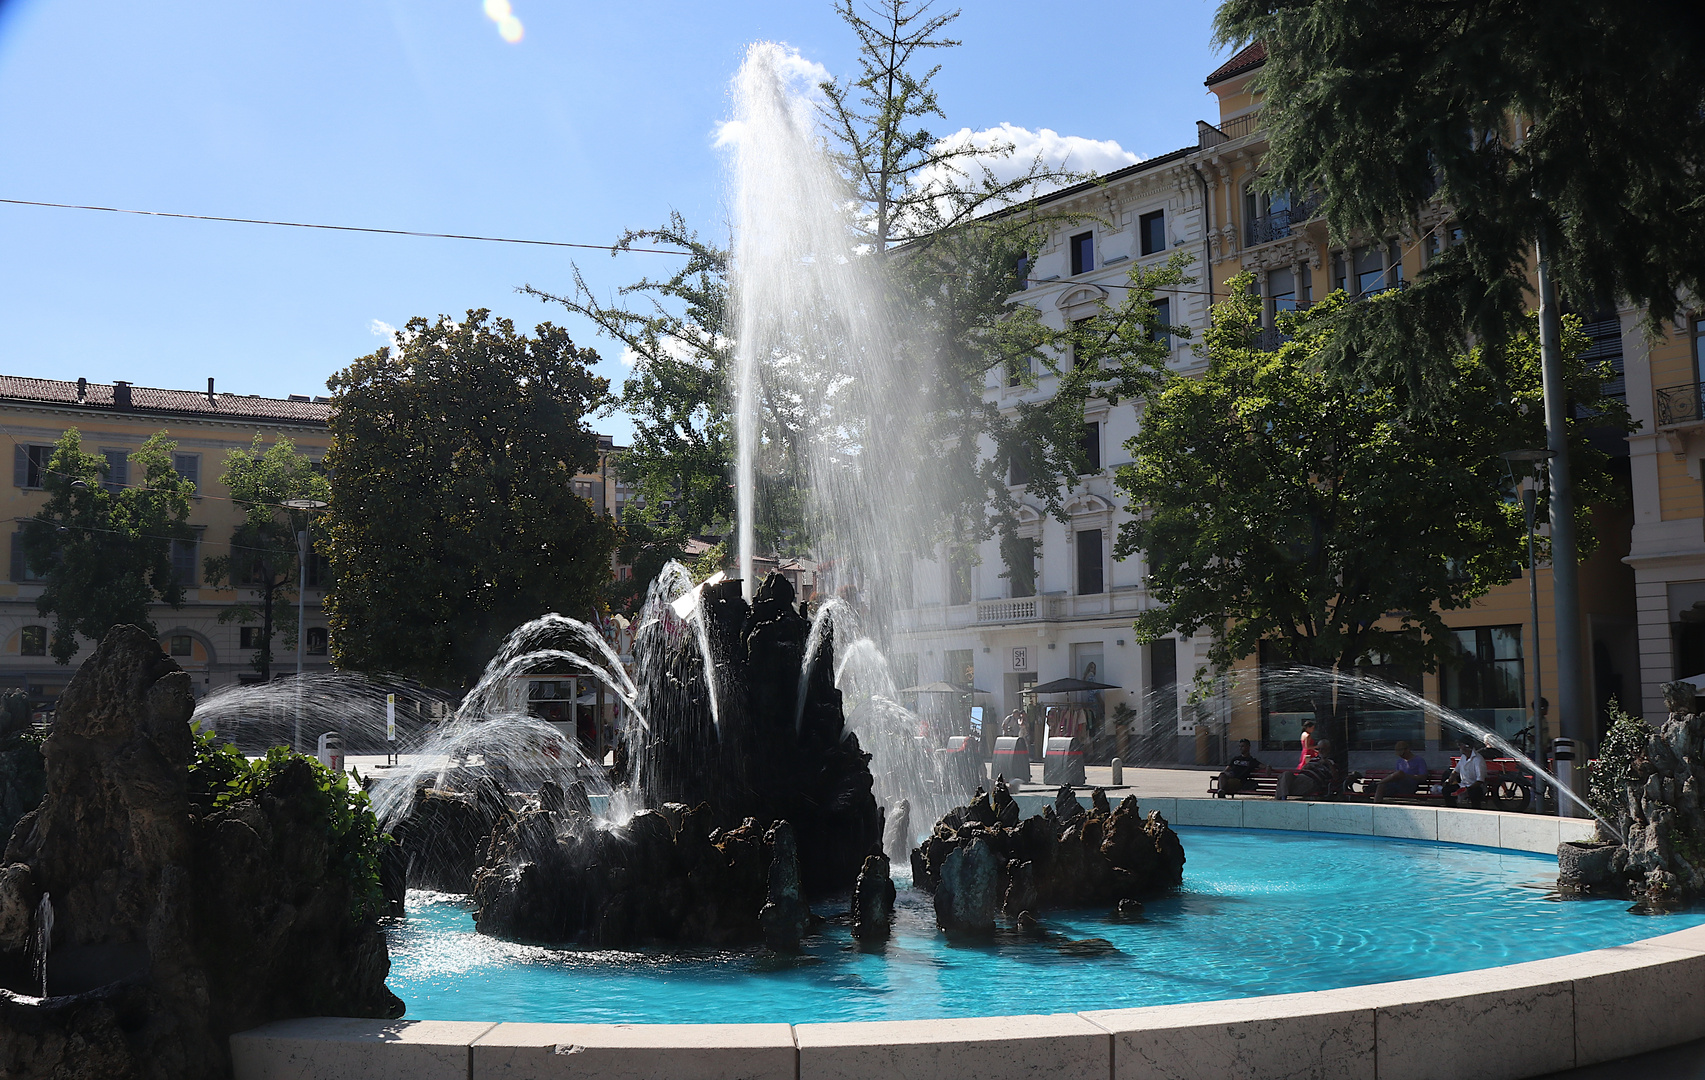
(147, 400)
(1252, 56)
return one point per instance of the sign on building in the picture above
(1021, 658)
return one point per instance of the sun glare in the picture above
(508, 26)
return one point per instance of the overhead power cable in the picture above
(612, 248)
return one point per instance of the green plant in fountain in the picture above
(1607, 783)
(220, 776)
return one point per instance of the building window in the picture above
(318, 638)
(1089, 444)
(1083, 253)
(1018, 465)
(959, 668)
(1483, 679)
(1081, 357)
(182, 645)
(1339, 281)
(183, 560)
(1377, 722)
(1015, 372)
(1370, 271)
(188, 466)
(118, 469)
(33, 641)
(1089, 579)
(1151, 228)
(583, 488)
(1021, 271)
(21, 569)
(959, 578)
(1021, 575)
(1162, 320)
(1282, 291)
(248, 637)
(1699, 348)
(29, 464)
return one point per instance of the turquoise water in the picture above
(1261, 912)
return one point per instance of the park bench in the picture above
(1265, 783)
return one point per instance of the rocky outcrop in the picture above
(442, 840)
(174, 924)
(1062, 858)
(766, 754)
(668, 876)
(1660, 857)
(873, 900)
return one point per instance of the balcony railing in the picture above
(1022, 609)
(1226, 130)
(1681, 404)
(1281, 223)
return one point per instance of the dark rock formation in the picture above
(174, 926)
(765, 756)
(968, 888)
(1661, 856)
(784, 916)
(668, 876)
(873, 900)
(443, 839)
(1092, 858)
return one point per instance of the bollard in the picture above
(1062, 761)
(1012, 759)
(1118, 779)
(1563, 757)
(330, 751)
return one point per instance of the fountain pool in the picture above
(1261, 912)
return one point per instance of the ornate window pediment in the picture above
(1087, 503)
(1080, 296)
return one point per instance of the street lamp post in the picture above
(307, 506)
(1529, 496)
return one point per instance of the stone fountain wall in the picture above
(172, 927)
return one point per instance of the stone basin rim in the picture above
(1544, 1015)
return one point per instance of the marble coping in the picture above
(1443, 824)
(1542, 1016)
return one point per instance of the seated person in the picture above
(1467, 781)
(1410, 776)
(1319, 777)
(1237, 770)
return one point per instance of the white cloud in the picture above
(381, 328)
(1072, 153)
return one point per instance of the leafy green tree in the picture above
(264, 554)
(1276, 504)
(454, 516)
(1572, 119)
(106, 555)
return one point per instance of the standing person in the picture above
(1411, 773)
(1237, 770)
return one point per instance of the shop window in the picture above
(33, 641)
(1483, 679)
(318, 639)
(1379, 720)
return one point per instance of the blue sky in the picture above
(418, 114)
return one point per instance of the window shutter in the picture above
(20, 470)
(18, 555)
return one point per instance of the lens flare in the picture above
(503, 14)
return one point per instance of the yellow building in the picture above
(114, 420)
(1286, 246)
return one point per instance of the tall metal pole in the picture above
(1565, 563)
(1528, 498)
(301, 633)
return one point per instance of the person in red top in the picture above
(1309, 749)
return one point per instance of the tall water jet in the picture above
(832, 391)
